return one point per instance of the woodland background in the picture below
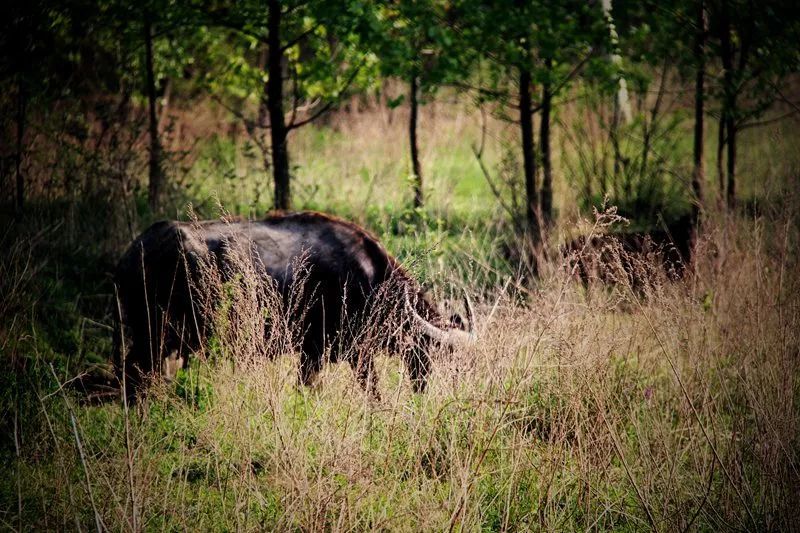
(477, 140)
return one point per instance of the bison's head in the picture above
(455, 332)
(432, 330)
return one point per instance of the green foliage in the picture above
(324, 56)
(508, 38)
(413, 39)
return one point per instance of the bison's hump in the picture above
(161, 243)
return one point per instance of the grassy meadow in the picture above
(669, 405)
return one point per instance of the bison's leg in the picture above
(180, 341)
(132, 353)
(154, 349)
(364, 368)
(419, 364)
(171, 364)
(131, 342)
(131, 374)
(310, 362)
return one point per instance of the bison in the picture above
(634, 258)
(336, 284)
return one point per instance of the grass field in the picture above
(665, 406)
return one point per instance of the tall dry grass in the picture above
(648, 405)
(665, 406)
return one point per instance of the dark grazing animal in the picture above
(632, 257)
(336, 282)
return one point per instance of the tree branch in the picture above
(300, 37)
(482, 90)
(250, 126)
(783, 98)
(289, 10)
(574, 72)
(766, 122)
(492, 186)
(328, 105)
(295, 95)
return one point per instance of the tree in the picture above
(29, 59)
(501, 37)
(526, 111)
(310, 57)
(155, 171)
(274, 102)
(414, 43)
(755, 43)
(76, 70)
(532, 44)
(179, 30)
(568, 36)
(699, 52)
(649, 40)
(739, 54)
(622, 108)
(544, 136)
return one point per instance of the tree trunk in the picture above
(259, 132)
(21, 115)
(155, 171)
(730, 128)
(729, 99)
(720, 157)
(699, 108)
(622, 106)
(416, 168)
(277, 123)
(528, 156)
(613, 135)
(544, 139)
(166, 99)
(622, 100)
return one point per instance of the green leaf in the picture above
(396, 102)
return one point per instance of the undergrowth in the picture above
(603, 407)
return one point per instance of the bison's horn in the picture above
(450, 336)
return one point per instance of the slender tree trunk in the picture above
(278, 130)
(155, 171)
(622, 99)
(698, 175)
(21, 116)
(544, 139)
(266, 153)
(613, 135)
(622, 106)
(528, 155)
(648, 131)
(166, 100)
(730, 128)
(262, 125)
(729, 99)
(416, 168)
(720, 157)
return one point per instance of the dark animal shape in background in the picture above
(351, 286)
(632, 257)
